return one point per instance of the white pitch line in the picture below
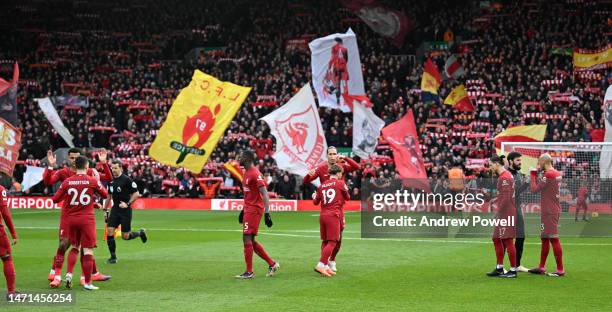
(445, 241)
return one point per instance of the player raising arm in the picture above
(77, 193)
(52, 176)
(332, 196)
(322, 173)
(5, 244)
(256, 204)
(504, 235)
(550, 209)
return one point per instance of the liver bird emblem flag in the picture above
(300, 141)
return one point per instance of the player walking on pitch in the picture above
(77, 192)
(5, 244)
(503, 235)
(550, 207)
(50, 177)
(322, 172)
(256, 204)
(124, 192)
(331, 195)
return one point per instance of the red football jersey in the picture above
(50, 177)
(322, 171)
(5, 214)
(505, 198)
(332, 195)
(549, 186)
(77, 193)
(253, 201)
(582, 194)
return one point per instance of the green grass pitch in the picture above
(191, 258)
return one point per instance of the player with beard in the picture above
(550, 209)
(322, 173)
(520, 185)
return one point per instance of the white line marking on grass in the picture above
(318, 237)
(23, 211)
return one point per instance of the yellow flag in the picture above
(196, 121)
(592, 61)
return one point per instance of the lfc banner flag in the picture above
(336, 70)
(366, 127)
(403, 140)
(9, 147)
(196, 121)
(300, 141)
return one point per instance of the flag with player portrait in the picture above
(300, 141)
(366, 127)
(336, 70)
(196, 121)
(403, 139)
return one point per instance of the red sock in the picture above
(335, 251)
(58, 261)
(9, 273)
(511, 251)
(323, 243)
(248, 256)
(261, 252)
(544, 252)
(72, 259)
(87, 266)
(94, 270)
(330, 246)
(499, 251)
(558, 251)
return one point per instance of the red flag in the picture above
(403, 138)
(386, 22)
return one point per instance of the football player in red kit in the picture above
(5, 244)
(550, 209)
(256, 204)
(506, 210)
(331, 195)
(77, 193)
(581, 200)
(322, 172)
(50, 177)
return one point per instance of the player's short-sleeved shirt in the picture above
(253, 200)
(322, 171)
(77, 194)
(121, 189)
(332, 195)
(505, 198)
(549, 186)
(582, 194)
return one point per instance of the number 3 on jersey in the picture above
(82, 199)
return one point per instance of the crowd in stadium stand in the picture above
(129, 60)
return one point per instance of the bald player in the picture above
(322, 173)
(550, 209)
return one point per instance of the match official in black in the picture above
(520, 185)
(123, 193)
